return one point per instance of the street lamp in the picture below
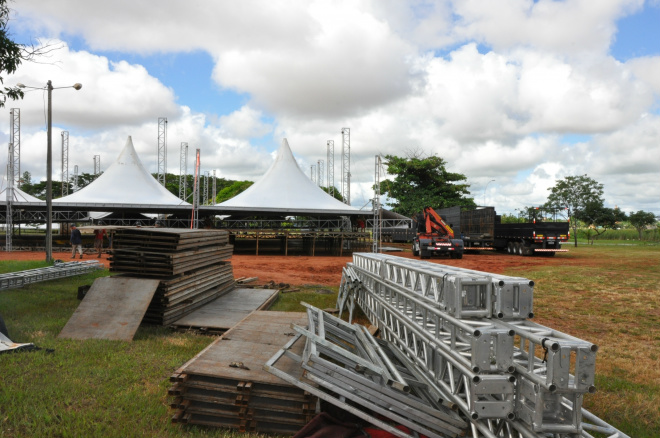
(49, 163)
(485, 188)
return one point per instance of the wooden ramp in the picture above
(113, 308)
(225, 384)
(228, 310)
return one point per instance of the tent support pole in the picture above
(286, 243)
(257, 250)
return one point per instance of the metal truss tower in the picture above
(206, 188)
(183, 171)
(376, 227)
(97, 165)
(65, 163)
(15, 140)
(215, 187)
(319, 171)
(9, 214)
(75, 178)
(162, 150)
(346, 164)
(331, 167)
(195, 200)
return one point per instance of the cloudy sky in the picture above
(517, 91)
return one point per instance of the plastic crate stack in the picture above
(469, 332)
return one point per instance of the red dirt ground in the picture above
(300, 270)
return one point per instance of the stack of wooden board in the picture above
(192, 265)
(225, 384)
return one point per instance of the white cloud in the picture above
(403, 76)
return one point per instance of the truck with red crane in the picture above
(435, 237)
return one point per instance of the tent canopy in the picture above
(126, 181)
(285, 189)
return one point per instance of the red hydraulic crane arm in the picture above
(434, 223)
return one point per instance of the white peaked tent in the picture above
(19, 195)
(126, 181)
(285, 189)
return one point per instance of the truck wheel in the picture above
(415, 251)
(527, 251)
(509, 248)
(519, 248)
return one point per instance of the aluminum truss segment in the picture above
(65, 163)
(183, 170)
(162, 150)
(15, 141)
(330, 146)
(58, 270)
(346, 165)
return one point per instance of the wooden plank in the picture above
(276, 329)
(113, 308)
(228, 310)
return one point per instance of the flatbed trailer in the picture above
(482, 230)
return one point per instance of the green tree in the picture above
(232, 190)
(642, 219)
(335, 193)
(574, 193)
(600, 218)
(423, 182)
(12, 55)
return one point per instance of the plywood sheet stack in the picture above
(225, 384)
(193, 267)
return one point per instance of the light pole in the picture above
(49, 164)
(485, 188)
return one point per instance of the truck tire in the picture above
(509, 248)
(519, 248)
(527, 250)
(415, 251)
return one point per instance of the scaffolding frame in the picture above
(346, 165)
(162, 150)
(330, 146)
(183, 170)
(65, 163)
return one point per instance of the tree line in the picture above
(418, 182)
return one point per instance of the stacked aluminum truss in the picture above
(58, 270)
(467, 332)
(348, 361)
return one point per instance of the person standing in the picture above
(98, 241)
(76, 242)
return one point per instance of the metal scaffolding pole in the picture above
(195, 203)
(206, 188)
(183, 171)
(319, 172)
(97, 165)
(346, 164)
(215, 187)
(376, 227)
(15, 139)
(65, 163)
(75, 178)
(331, 167)
(162, 150)
(9, 226)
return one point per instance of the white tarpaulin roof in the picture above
(19, 195)
(285, 188)
(126, 181)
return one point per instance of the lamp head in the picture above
(19, 85)
(76, 86)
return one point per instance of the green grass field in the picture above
(609, 295)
